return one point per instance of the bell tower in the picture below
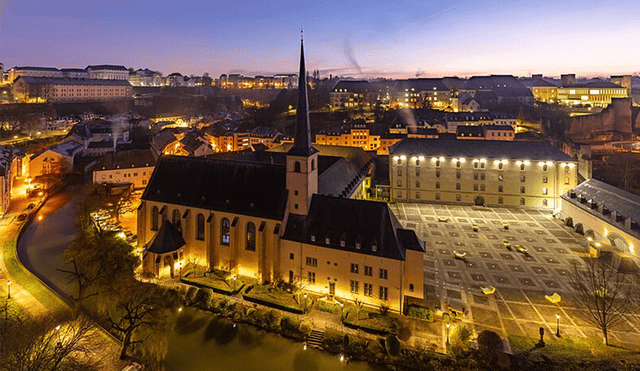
(302, 158)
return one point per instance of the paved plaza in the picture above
(518, 305)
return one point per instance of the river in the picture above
(196, 344)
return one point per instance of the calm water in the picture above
(200, 342)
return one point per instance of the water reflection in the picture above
(202, 342)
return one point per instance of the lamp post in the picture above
(180, 264)
(234, 283)
(9, 289)
(342, 315)
(305, 302)
(557, 325)
(448, 325)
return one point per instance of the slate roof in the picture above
(421, 85)
(101, 144)
(67, 148)
(368, 222)
(615, 199)
(490, 149)
(6, 156)
(191, 143)
(247, 188)
(470, 131)
(107, 67)
(353, 86)
(32, 68)
(497, 127)
(72, 81)
(541, 83)
(167, 239)
(595, 84)
(126, 159)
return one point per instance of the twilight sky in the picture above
(348, 37)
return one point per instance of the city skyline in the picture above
(358, 40)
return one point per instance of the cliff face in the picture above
(616, 122)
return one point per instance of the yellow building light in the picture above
(549, 163)
(434, 159)
(414, 158)
(572, 165)
(518, 162)
(441, 158)
(541, 163)
(631, 248)
(462, 160)
(504, 162)
(421, 158)
(395, 158)
(563, 164)
(527, 162)
(496, 162)
(475, 160)
(483, 160)
(403, 157)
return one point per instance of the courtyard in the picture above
(518, 306)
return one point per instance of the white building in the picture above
(108, 72)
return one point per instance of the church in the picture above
(294, 214)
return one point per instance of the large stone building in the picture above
(422, 93)
(592, 93)
(607, 215)
(619, 121)
(35, 89)
(108, 72)
(132, 166)
(497, 89)
(353, 94)
(275, 216)
(480, 172)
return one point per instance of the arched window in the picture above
(437, 196)
(500, 188)
(313, 164)
(522, 202)
(417, 195)
(154, 218)
(411, 287)
(251, 237)
(437, 185)
(417, 184)
(200, 227)
(296, 167)
(544, 203)
(458, 198)
(500, 200)
(545, 167)
(176, 219)
(225, 232)
(500, 166)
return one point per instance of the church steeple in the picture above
(302, 140)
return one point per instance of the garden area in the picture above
(376, 323)
(278, 297)
(220, 282)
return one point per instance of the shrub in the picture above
(274, 317)
(459, 340)
(392, 344)
(305, 328)
(190, 295)
(490, 345)
(420, 313)
(203, 298)
(404, 333)
(291, 327)
(357, 345)
(328, 307)
(384, 308)
(333, 340)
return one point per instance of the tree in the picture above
(604, 292)
(134, 307)
(45, 344)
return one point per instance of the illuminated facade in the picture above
(472, 172)
(134, 167)
(420, 93)
(45, 89)
(108, 72)
(264, 216)
(544, 91)
(6, 160)
(353, 94)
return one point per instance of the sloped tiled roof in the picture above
(369, 223)
(167, 239)
(247, 188)
(127, 159)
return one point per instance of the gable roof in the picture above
(126, 159)
(490, 149)
(353, 85)
(110, 67)
(370, 223)
(71, 81)
(247, 188)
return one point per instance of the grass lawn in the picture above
(327, 306)
(568, 349)
(29, 282)
(281, 298)
(371, 321)
(215, 282)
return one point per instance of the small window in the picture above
(458, 163)
(545, 179)
(500, 177)
(482, 176)
(522, 202)
(437, 185)
(200, 227)
(475, 165)
(374, 246)
(290, 256)
(354, 268)
(155, 216)
(521, 167)
(458, 175)
(225, 232)
(296, 167)
(500, 166)
(500, 188)
(250, 243)
(482, 187)
(500, 200)
(437, 196)
(545, 167)
(417, 172)
(437, 173)
(411, 287)
(295, 192)
(313, 164)
(544, 202)
(437, 163)
(417, 184)
(418, 162)
(475, 187)
(482, 165)
(475, 176)
(368, 271)
(458, 186)
(522, 178)
(311, 277)
(522, 189)
(383, 273)
(399, 172)
(566, 180)
(545, 190)
(458, 198)
(418, 195)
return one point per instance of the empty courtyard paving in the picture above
(518, 306)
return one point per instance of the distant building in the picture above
(6, 160)
(133, 166)
(421, 93)
(593, 93)
(456, 119)
(606, 215)
(505, 88)
(75, 73)
(30, 71)
(145, 77)
(353, 94)
(38, 89)
(543, 90)
(480, 172)
(498, 132)
(55, 160)
(470, 132)
(286, 81)
(97, 137)
(464, 103)
(108, 72)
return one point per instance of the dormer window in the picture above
(343, 240)
(374, 246)
(358, 242)
(313, 238)
(327, 238)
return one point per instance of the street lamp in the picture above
(305, 302)
(557, 325)
(9, 289)
(342, 315)
(180, 265)
(448, 325)
(234, 283)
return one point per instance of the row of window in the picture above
(225, 228)
(545, 190)
(383, 292)
(480, 164)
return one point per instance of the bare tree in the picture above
(604, 292)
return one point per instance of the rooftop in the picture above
(489, 149)
(127, 159)
(72, 81)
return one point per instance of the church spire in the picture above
(302, 140)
